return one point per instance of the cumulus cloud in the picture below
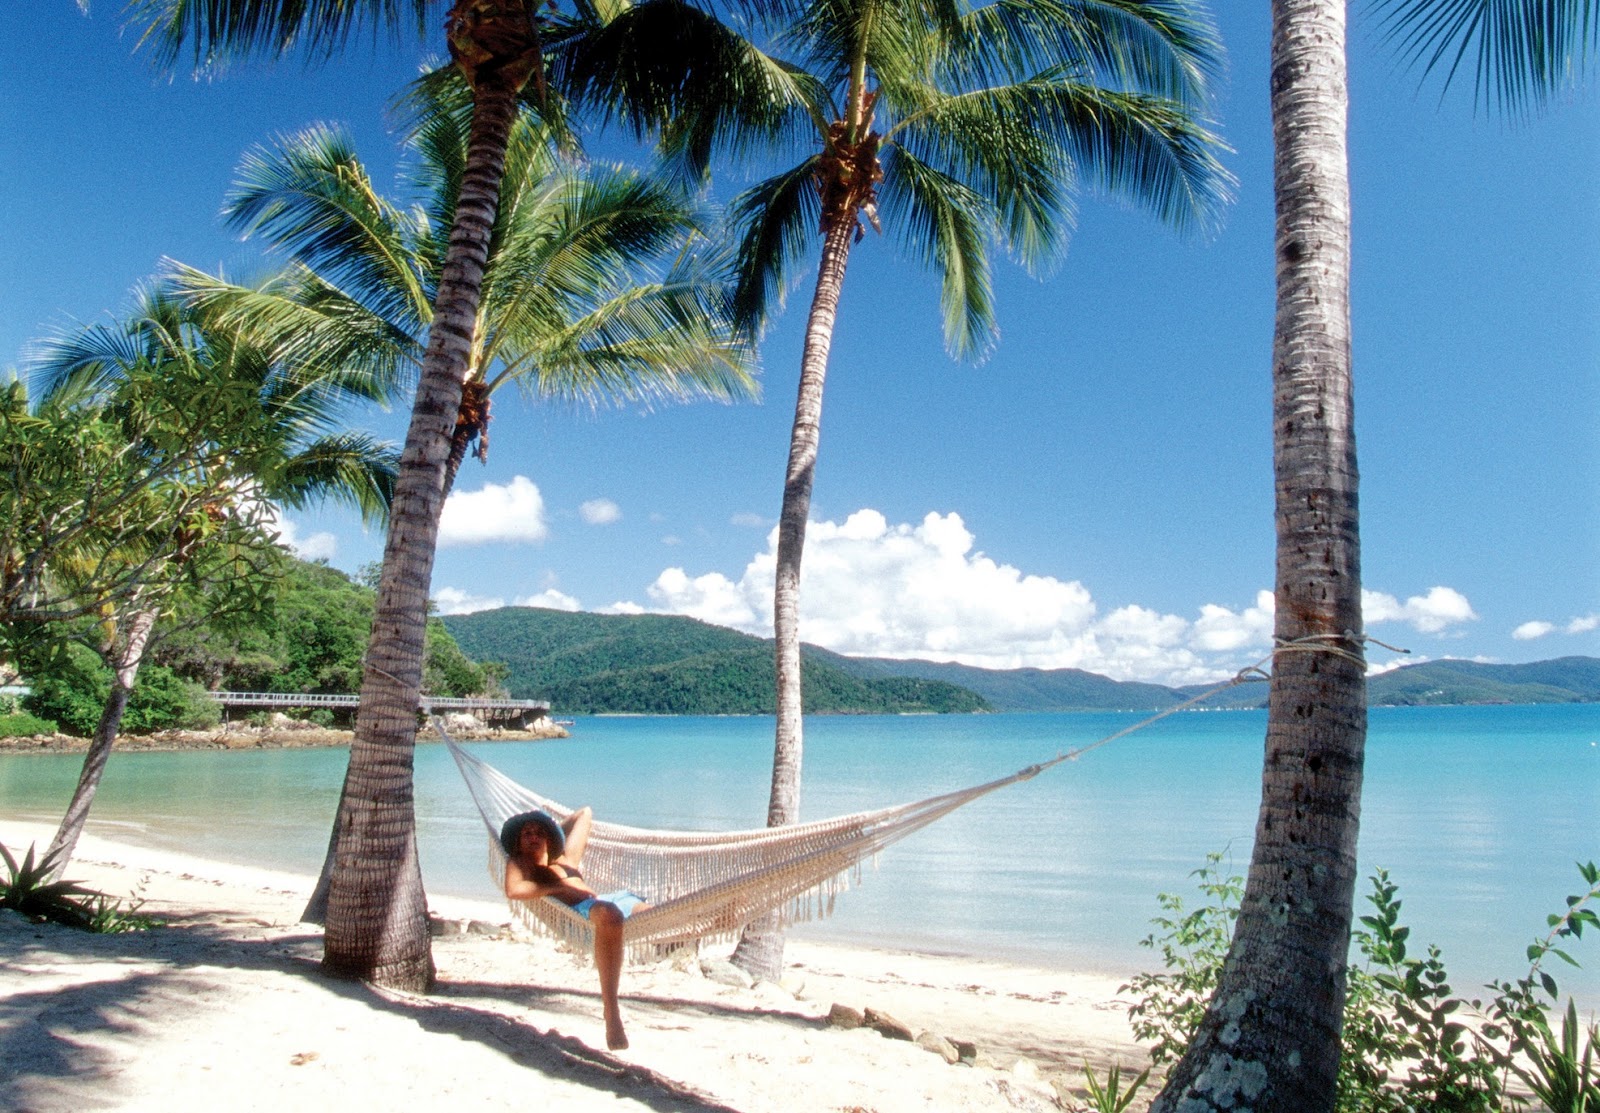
(1433, 613)
(1528, 631)
(511, 512)
(923, 590)
(550, 599)
(450, 600)
(600, 512)
(318, 546)
(1584, 625)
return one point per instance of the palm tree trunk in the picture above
(760, 949)
(1270, 1036)
(125, 661)
(377, 924)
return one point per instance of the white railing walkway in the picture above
(497, 708)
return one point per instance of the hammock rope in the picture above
(707, 886)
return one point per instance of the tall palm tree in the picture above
(570, 308)
(959, 127)
(1270, 1037)
(377, 923)
(284, 446)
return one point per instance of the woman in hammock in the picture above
(545, 860)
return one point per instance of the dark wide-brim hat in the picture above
(553, 834)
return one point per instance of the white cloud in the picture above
(1433, 613)
(550, 599)
(513, 512)
(1584, 625)
(318, 546)
(450, 600)
(751, 521)
(710, 598)
(876, 589)
(1528, 631)
(1219, 630)
(600, 512)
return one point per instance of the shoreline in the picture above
(239, 736)
(232, 982)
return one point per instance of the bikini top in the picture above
(567, 872)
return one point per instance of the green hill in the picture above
(668, 664)
(1027, 689)
(586, 663)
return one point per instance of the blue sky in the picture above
(1097, 494)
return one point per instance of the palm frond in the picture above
(354, 468)
(1528, 51)
(981, 139)
(312, 198)
(947, 225)
(307, 324)
(1167, 48)
(220, 31)
(1147, 150)
(773, 221)
(670, 69)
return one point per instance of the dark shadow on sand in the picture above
(40, 1031)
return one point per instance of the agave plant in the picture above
(28, 889)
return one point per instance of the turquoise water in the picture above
(1478, 813)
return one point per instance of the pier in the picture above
(516, 714)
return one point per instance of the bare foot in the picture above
(616, 1038)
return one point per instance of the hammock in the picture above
(706, 886)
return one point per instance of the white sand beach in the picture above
(226, 1008)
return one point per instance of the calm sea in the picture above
(1477, 812)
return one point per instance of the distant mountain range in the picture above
(667, 664)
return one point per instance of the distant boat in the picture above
(564, 722)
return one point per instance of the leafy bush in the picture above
(72, 692)
(21, 724)
(1409, 1042)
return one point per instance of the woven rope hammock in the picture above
(706, 885)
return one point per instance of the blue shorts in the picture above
(625, 901)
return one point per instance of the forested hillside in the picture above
(668, 664)
(587, 663)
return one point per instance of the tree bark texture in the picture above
(377, 927)
(760, 949)
(1270, 1036)
(125, 656)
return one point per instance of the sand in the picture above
(226, 1008)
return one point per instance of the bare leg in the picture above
(576, 829)
(607, 921)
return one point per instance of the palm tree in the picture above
(377, 923)
(964, 127)
(569, 311)
(285, 446)
(1270, 1037)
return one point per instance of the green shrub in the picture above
(1407, 1041)
(21, 724)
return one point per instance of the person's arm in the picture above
(542, 881)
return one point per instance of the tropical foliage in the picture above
(1409, 1040)
(960, 127)
(308, 637)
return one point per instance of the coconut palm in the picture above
(377, 923)
(276, 438)
(959, 128)
(570, 312)
(1270, 1037)
(571, 309)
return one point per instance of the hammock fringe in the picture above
(704, 887)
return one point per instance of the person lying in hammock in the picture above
(545, 860)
